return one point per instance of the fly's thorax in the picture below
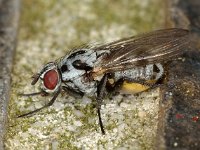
(69, 64)
(75, 70)
(80, 85)
(148, 72)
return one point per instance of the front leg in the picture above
(45, 106)
(72, 92)
(100, 95)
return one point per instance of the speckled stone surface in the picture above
(49, 29)
(9, 15)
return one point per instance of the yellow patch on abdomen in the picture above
(132, 88)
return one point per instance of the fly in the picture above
(129, 65)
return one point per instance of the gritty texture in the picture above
(49, 29)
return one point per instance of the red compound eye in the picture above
(50, 79)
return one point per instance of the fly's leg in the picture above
(45, 106)
(71, 92)
(100, 95)
(42, 93)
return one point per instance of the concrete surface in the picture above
(49, 29)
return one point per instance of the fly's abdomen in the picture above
(139, 79)
(138, 73)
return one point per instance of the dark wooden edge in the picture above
(9, 17)
(179, 126)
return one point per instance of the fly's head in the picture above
(50, 78)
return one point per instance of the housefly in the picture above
(129, 65)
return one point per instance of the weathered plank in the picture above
(179, 122)
(9, 15)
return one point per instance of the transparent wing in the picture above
(156, 46)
